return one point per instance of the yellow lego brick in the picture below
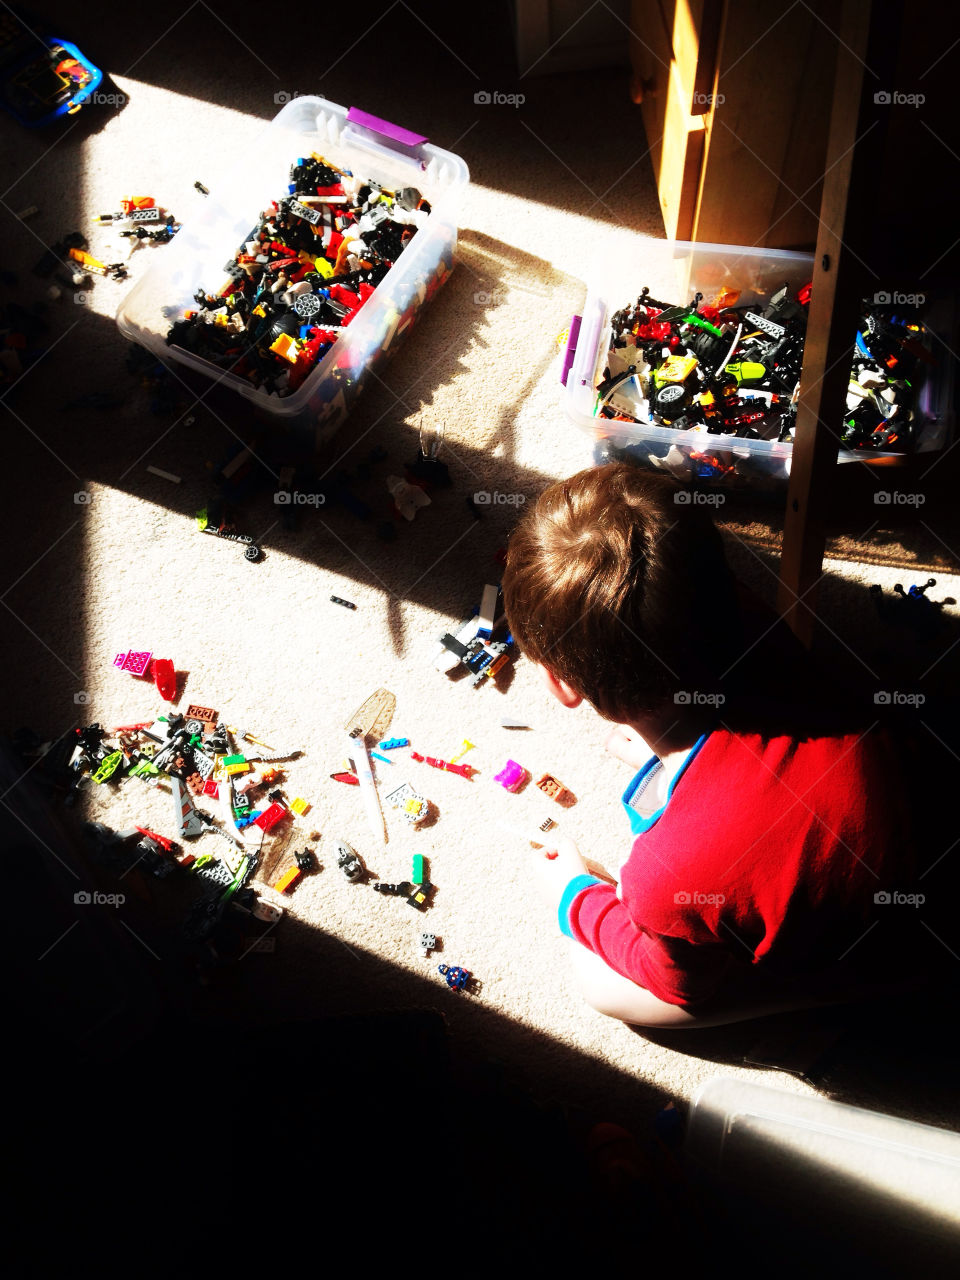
(242, 767)
(288, 880)
(285, 347)
(300, 807)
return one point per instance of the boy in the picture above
(765, 818)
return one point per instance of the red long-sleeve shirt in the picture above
(767, 851)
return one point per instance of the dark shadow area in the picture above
(319, 1081)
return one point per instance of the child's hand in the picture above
(555, 865)
(626, 744)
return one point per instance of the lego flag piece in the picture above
(185, 815)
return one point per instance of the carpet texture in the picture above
(561, 191)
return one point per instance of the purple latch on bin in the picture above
(571, 351)
(402, 138)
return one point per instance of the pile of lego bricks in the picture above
(301, 276)
(736, 370)
(199, 756)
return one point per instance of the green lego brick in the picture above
(417, 876)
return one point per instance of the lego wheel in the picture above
(708, 348)
(670, 400)
(252, 553)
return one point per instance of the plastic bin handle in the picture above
(399, 138)
(571, 351)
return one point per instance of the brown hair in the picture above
(616, 582)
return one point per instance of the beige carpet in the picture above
(262, 643)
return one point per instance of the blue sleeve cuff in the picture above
(576, 885)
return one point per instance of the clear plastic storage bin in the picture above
(675, 271)
(349, 139)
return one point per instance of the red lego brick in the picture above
(270, 817)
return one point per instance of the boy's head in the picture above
(621, 593)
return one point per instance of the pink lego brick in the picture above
(119, 660)
(512, 776)
(137, 662)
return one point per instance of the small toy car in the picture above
(39, 86)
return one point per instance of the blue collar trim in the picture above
(638, 823)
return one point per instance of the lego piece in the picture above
(428, 943)
(188, 821)
(165, 678)
(306, 859)
(162, 841)
(300, 807)
(412, 805)
(417, 875)
(206, 715)
(407, 498)
(392, 890)
(512, 776)
(136, 662)
(419, 896)
(467, 746)
(488, 611)
(348, 862)
(266, 946)
(373, 718)
(455, 977)
(350, 779)
(347, 604)
(164, 475)
(464, 770)
(234, 764)
(556, 790)
(108, 766)
(288, 880)
(377, 756)
(391, 744)
(513, 724)
(270, 817)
